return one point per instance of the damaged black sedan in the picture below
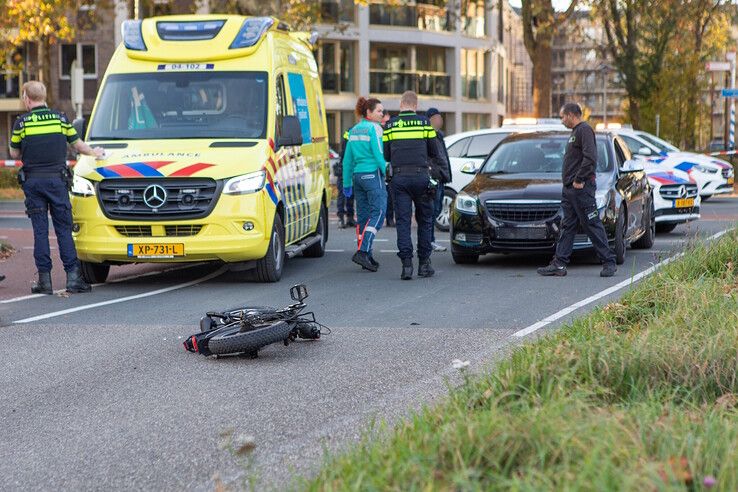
(513, 204)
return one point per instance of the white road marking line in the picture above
(207, 277)
(389, 250)
(335, 250)
(625, 283)
(117, 280)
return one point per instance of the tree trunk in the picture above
(635, 112)
(542, 61)
(43, 60)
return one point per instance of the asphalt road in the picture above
(97, 392)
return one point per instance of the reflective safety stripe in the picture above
(359, 138)
(370, 229)
(405, 135)
(43, 129)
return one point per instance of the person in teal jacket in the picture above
(364, 169)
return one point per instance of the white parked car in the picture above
(713, 176)
(468, 150)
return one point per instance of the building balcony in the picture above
(423, 83)
(423, 16)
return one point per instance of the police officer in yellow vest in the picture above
(40, 138)
(409, 144)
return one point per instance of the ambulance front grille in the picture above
(179, 230)
(158, 199)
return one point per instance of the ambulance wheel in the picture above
(269, 268)
(233, 340)
(317, 250)
(94, 273)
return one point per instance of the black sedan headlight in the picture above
(466, 204)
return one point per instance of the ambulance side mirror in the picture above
(291, 132)
(79, 127)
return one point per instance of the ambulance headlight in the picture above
(247, 183)
(251, 31)
(132, 35)
(82, 186)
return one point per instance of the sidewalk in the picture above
(20, 270)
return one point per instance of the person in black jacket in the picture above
(440, 170)
(578, 200)
(344, 206)
(409, 145)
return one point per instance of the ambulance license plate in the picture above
(684, 203)
(154, 250)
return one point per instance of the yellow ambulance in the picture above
(216, 149)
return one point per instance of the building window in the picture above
(431, 71)
(474, 121)
(335, 11)
(336, 61)
(472, 18)
(473, 68)
(428, 15)
(85, 52)
(390, 70)
(500, 79)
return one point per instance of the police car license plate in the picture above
(521, 232)
(684, 203)
(731, 181)
(154, 250)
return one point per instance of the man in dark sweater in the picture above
(578, 198)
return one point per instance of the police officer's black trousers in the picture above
(344, 206)
(580, 207)
(412, 188)
(45, 195)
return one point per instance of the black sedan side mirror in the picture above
(291, 133)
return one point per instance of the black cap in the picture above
(432, 112)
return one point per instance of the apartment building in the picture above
(455, 59)
(582, 73)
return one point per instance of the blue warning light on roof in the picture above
(189, 30)
(251, 31)
(132, 36)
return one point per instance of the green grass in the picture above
(639, 395)
(9, 178)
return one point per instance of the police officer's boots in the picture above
(75, 283)
(341, 223)
(425, 269)
(43, 284)
(407, 269)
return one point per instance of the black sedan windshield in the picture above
(170, 105)
(538, 155)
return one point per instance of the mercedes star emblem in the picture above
(682, 191)
(155, 196)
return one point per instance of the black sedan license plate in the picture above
(521, 233)
(155, 250)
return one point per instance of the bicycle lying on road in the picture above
(245, 330)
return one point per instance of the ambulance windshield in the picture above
(173, 105)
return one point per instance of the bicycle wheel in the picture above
(231, 340)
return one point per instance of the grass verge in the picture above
(639, 395)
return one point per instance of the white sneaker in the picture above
(438, 247)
